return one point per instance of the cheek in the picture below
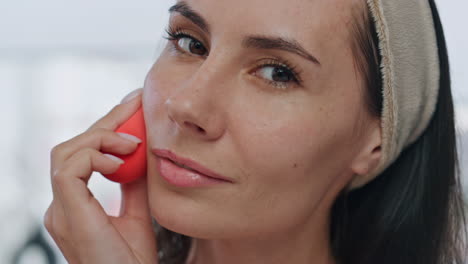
(158, 83)
(279, 143)
(161, 81)
(278, 151)
(276, 142)
(294, 144)
(282, 155)
(292, 156)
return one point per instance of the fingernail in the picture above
(130, 137)
(131, 96)
(114, 158)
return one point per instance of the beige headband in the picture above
(410, 71)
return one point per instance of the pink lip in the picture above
(167, 154)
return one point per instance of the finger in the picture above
(120, 113)
(105, 140)
(100, 139)
(70, 183)
(135, 200)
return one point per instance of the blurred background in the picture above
(65, 64)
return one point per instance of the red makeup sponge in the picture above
(135, 163)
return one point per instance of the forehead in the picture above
(276, 16)
(317, 24)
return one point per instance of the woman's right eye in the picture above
(185, 43)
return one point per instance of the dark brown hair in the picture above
(413, 213)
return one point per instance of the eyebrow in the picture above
(185, 10)
(256, 41)
(263, 42)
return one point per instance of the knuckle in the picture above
(85, 152)
(58, 178)
(115, 110)
(47, 221)
(54, 173)
(96, 126)
(117, 107)
(100, 133)
(56, 150)
(85, 155)
(97, 131)
(56, 227)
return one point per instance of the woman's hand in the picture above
(76, 220)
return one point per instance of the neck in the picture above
(303, 246)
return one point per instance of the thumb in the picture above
(135, 199)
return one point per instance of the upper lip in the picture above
(167, 154)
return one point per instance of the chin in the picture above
(179, 213)
(184, 218)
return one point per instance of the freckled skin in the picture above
(252, 132)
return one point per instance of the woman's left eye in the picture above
(279, 76)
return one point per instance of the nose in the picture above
(195, 109)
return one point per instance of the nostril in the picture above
(191, 125)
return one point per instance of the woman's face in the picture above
(266, 94)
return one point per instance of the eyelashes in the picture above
(282, 73)
(277, 72)
(174, 35)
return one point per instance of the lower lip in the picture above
(181, 177)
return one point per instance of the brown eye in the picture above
(282, 75)
(279, 74)
(192, 46)
(276, 74)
